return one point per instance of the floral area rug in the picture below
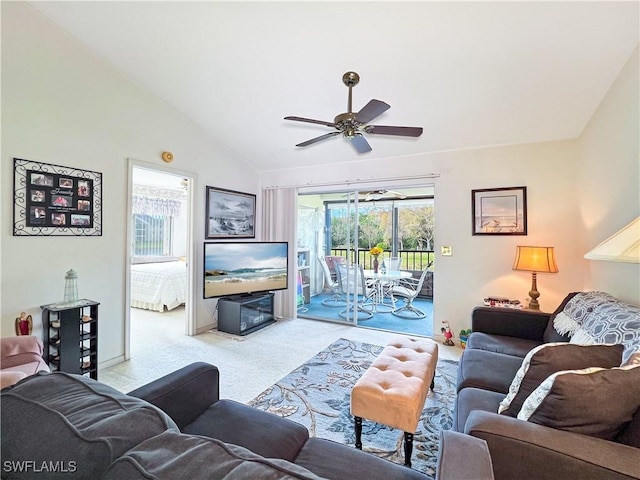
(317, 395)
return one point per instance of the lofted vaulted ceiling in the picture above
(471, 74)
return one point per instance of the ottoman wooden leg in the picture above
(358, 433)
(408, 448)
(433, 381)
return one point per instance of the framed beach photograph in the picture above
(230, 214)
(499, 211)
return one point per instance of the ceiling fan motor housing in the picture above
(347, 124)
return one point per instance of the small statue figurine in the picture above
(24, 324)
(448, 334)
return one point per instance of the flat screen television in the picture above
(232, 268)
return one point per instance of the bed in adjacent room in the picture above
(158, 283)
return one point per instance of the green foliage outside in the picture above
(415, 228)
(415, 234)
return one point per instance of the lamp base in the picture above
(533, 305)
(533, 293)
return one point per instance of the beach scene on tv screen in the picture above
(233, 268)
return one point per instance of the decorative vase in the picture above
(375, 265)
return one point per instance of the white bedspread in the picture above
(158, 285)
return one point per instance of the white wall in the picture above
(609, 179)
(63, 105)
(481, 265)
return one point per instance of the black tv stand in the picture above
(246, 313)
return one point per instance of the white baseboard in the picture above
(111, 362)
(211, 326)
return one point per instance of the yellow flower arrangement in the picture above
(375, 251)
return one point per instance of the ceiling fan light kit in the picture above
(353, 126)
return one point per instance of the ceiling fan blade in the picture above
(371, 110)
(318, 139)
(361, 144)
(398, 195)
(389, 130)
(310, 120)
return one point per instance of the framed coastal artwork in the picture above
(53, 200)
(230, 214)
(499, 211)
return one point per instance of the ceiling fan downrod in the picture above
(350, 79)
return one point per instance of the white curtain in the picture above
(164, 207)
(280, 224)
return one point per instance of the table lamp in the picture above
(534, 260)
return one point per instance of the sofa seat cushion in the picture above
(341, 462)
(470, 399)
(550, 358)
(581, 401)
(488, 370)
(73, 421)
(175, 455)
(261, 432)
(517, 347)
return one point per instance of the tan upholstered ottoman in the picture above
(393, 389)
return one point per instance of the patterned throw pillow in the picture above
(578, 309)
(549, 358)
(597, 317)
(580, 401)
(616, 322)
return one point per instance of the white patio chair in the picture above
(353, 283)
(392, 264)
(336, 299)
(408, 289)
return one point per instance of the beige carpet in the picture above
(246, 367)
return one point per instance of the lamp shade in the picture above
(535, 259)
(623, 246)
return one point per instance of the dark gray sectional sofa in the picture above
(57, 425)
(521, 449)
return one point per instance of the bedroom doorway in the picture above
(160, 257)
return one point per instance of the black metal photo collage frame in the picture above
(51, 200)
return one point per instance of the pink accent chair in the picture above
(19, 358)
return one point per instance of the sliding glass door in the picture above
(321, 295)
(343, 227)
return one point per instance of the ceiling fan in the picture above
(373, 195)
(353, 125)
(381, 194)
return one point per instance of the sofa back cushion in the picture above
(71, 425)
(599, 402)
(550, 358)
(176, 455)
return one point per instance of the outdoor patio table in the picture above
(379, 279)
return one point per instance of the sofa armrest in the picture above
(519, 448)
(463, 456)
(184, 394)
(511, 322)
